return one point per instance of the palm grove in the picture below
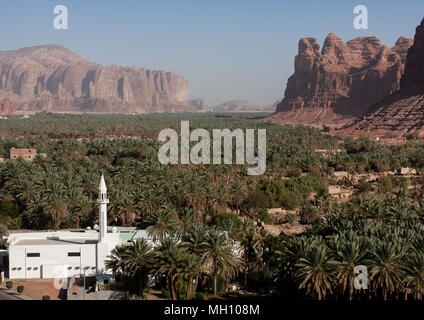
(190, 210)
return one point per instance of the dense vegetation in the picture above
(379, 227)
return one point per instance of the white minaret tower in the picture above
(102, 201)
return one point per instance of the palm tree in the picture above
(137, 259)
(415, 275)
(169, 257)
(185, 219)
(315, 269)
(191, 267)
(249, 242)
(386, 268)
(221, 257)
(126, 210)
(162, 224)
(348, 256)
(194, 240)
(56, 208)
(115, 260)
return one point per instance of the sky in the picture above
(226, 49)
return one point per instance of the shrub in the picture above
(256, 200)
(293, 172)
(363, 186)
(223, 219)
(264, 216)
(45, 298)
(290, 218)
(385, 184)
(20, 289)
(9, 284)
(309, 215)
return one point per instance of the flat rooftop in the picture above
(54, 241)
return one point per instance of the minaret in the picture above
(102, 201)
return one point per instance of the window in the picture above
(29, 268)
(33, 255)
(74, 254)
(36, 268)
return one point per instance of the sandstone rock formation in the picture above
(343, 79)
(53, 78)
(6, 107)
(402, 112)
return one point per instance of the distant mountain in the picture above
(341, 80)
(53, 78)
(239, 106)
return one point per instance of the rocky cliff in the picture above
(53, 78)
(343, 79)
(6, 107)
(402, 112)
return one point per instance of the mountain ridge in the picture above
(54, 78)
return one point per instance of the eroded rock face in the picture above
(343, 79)
(402, 112)
(53, 78)
(6, 107)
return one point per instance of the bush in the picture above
(256, 200)
(385, 184)
(264, 216)
(9, 284)
(293, 172)
(290, 218)
(363, 186)
(309, 215)
(20, 289)
(45, 298)
(221, 220)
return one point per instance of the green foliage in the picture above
(364, 231)
(264, 216)
(309, 214)
(363, 186)
(290, 194)
(222, 220)
(256, 200)
(20, 289)
(385, 184)
(45, 298)
(9, 284)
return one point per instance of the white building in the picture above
(63, 254)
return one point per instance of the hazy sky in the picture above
(226, 49)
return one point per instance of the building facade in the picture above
(26, 154)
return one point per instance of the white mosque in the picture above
(64, 254)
